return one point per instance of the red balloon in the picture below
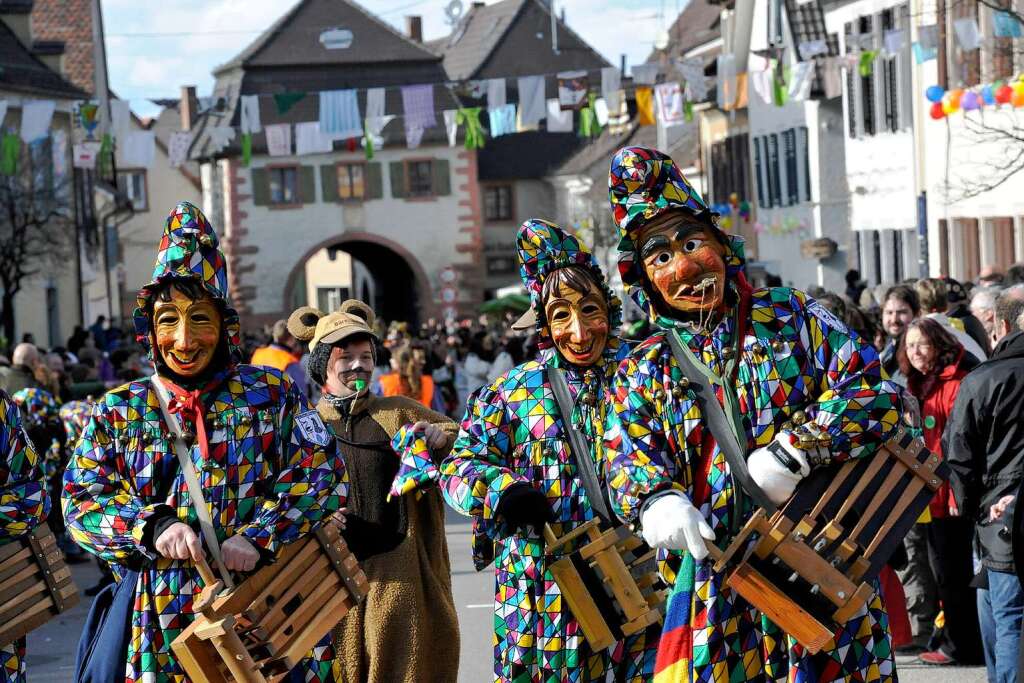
(1004, 94)
(936, 111)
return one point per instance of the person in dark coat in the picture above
(957, 309)
(984, 444)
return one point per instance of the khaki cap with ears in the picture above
(311, 325)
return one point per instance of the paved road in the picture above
(51, 649)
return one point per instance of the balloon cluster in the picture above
(945, 102)
(727, 210)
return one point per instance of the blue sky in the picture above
(153, 48)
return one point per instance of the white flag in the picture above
(451, 126)
(669, 98)
(558, 121)
(800, 81)
(120, 119)
(611, 81)
(35, 119)
(495, 93)
(250, 106)
(279, 139)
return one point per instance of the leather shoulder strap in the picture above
(578, 446)
(717, 422)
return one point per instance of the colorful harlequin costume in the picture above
(406, 629)
(267, 474)
(24, 504)
(41, 416)
(792, 355)
(512, 435)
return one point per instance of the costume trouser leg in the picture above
(1001, 624)
(919, 582)
(950, 549)
(12, 662)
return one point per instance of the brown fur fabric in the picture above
(406, 630)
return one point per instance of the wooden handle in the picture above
(713, 550)
(207, 575)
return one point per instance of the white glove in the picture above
(774, 478)
(671, 521)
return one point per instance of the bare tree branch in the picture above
(36, 225)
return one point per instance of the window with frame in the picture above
(419, 178)
(498, 203)
(133, 184)
(351, 182)
(284, 184)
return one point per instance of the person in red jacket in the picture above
(935, 363)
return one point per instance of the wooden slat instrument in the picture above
(810, 565)
(35, 583)
(261, 630)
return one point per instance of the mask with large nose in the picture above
(576, 313)
(187, 332)
(683, 260)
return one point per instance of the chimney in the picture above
(414, 28)
(188, 106)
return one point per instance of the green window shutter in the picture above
(374, 181)
(442, 181)
(307, 184)
(329, 182)
(397, 179)
(260, 187)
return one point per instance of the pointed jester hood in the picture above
(543, 248)
(189, 250)
(642, 184)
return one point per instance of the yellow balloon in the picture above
(949, 106)
(1018, 87)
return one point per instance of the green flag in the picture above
(11, 148)
(470, 118)
(287, 100)
(246, 148)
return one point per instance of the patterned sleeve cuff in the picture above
(260, 536)
(146, 525)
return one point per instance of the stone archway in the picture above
(403, 289)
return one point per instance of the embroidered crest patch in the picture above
(313, 428)
(826, 316)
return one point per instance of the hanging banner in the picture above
(572, 90)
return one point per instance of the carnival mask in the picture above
(187, 332)
(578, 322)
(684, 263)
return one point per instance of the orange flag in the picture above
(645, 106)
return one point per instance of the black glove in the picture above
(522, 505)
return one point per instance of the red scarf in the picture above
(189, 408)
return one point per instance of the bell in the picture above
(728, 352)
(799, 418)
(678, 392)
(778, 346)
(206, 240)
(683, 382)
(659, 395)
(587, 398)
(757, 348)
(189, 437)
(787, 426)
